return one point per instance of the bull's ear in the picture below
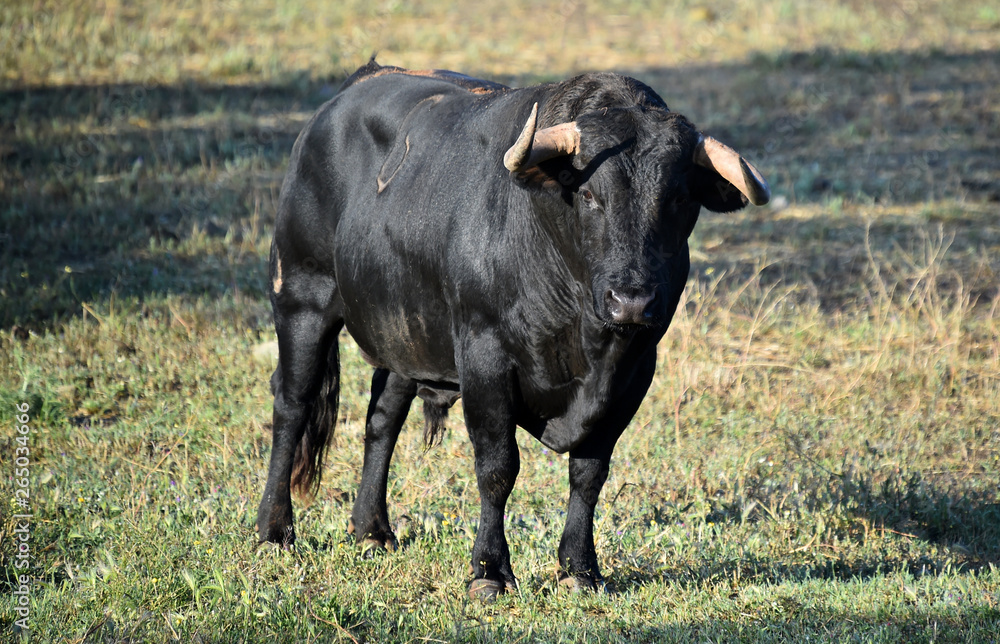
(555, 176)
(723, 161)
(714, 192)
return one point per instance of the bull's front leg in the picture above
(578, 568)
(588, 470)
(490, 421)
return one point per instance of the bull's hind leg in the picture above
(305, 387)
(390, 403)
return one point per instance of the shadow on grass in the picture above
(133, 191)
(136, 190)
(859, 507)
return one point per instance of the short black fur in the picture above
(537, 297)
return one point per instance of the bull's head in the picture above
(637, 178)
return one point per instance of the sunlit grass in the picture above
(236, 41)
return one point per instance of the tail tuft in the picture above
(307, 470)
(434, 419)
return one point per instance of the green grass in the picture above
(818, 458)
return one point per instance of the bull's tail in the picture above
(307, 469)
(434, 423)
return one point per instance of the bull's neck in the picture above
(554, 227)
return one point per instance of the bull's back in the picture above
(386, 177)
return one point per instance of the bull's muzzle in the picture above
(630, 307)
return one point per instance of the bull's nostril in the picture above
(614, 303)
(629, 308)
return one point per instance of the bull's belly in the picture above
(392, 300)
(411, 343)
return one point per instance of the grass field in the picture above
(818, 458)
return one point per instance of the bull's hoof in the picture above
(489, 589)
(371, 547)
(581, 584)
(283, 538)
(372, 543)
(270, 546)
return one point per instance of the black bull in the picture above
(524, 249)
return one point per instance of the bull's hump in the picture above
(468, 83)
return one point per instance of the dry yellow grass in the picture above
(232, 41)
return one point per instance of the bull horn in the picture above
(717, 156)
(531, 147)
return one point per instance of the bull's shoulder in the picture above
(474, 85)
